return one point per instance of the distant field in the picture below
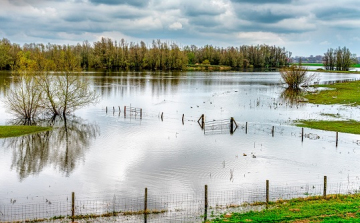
(320, 64)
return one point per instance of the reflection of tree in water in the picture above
(62, 147)
(292, 96)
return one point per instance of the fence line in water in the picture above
(163, 207)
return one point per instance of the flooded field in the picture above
(108, 152)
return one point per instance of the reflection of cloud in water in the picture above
(62, 147)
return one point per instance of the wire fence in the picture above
(159, 208)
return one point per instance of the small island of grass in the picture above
(348, 126)
(14, 130)
(347, 93)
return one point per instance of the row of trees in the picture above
(339, 59)
(107, 53)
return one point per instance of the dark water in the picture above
(103, 152)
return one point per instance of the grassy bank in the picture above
(342, 93)
(335, 208)
(319, 64)
(347, 93)
(350, 126)
(13, 131)
(202, 67)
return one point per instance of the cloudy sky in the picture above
(304, 27)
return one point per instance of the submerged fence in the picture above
(160, 208)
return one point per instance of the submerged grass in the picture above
(349, 126)
(334, 208)
(14, 130)
(341, 93)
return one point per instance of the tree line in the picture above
(339, 59)
(110, 54)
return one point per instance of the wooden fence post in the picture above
(182, 119)
(231, 125)
(337, 138)
(73, 206)
(272, 131)
(206, 203)
(140, 113)
(145, 201)
(106, 109)
(246, 127)
(124, 110)
(145, 206)
(203, 121)
(325, 186)
(267, 191)
(162, 116)
(302, 134)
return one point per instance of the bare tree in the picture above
(24, 98)
(66, 93)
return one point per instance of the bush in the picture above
(295, 76)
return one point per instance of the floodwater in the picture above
(111, 153)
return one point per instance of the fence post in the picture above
(302, 134)
(325, 185)
(203, 121)
(124, 110)
(246, 128)
(267, 191)
(73, 206)
(183, 119)
(119, 109)
(231, 125)
(145, 201)
(272, 131)
(162, 116)
(140, 113)
(206, 203)
(106, 109)
(337, 138)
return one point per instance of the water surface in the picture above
(103, 152)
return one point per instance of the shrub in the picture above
(295, 76)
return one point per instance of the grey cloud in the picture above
(265, 16)
(263, 1)
(337, 13)
(137, 3)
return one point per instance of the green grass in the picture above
(202, 67)
(335, 208)
(320, 64)
(349, 126)
(342, 93)
(13, 131)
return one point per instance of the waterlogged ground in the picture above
(108, 153)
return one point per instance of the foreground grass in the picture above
(350, 126)
(342, 93)
(13, 131)
(335, 208)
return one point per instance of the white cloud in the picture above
(176, 26)
(261, 37)
(325, 43)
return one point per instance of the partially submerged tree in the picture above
(295, 76)
(66, 93)
(24, 98)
